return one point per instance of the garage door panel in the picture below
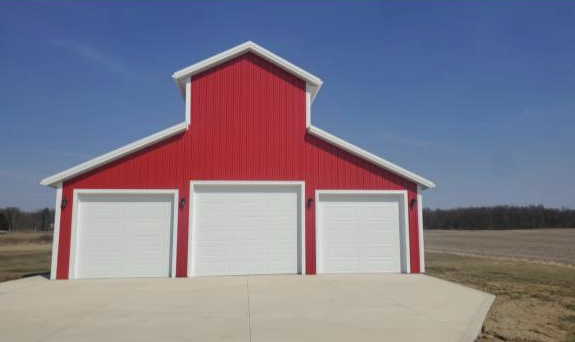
(123, 235)
(249, 222)
(342, 237)
(375, 266)
(282, 222)
(388, 251)
(342, 265)
(359, 233)
(147, 242)
(110, 256)
(212, 268)
(372, 235)
(279, 204)
(346, 252)
(215, 259)
(246, 267)
(249, 206)
(248, 252)
(103, 241)
(220, 235)
(258, 235)
(280, 267)
(249, 235)
(339, 209)
(280, 249)
(280, 235)
(214, 252)
(213, 221)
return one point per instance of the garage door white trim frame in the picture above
(301, 189)
(75, 227)
(402, 194)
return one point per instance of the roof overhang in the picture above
(181, 76)
(370, 157)
(116, 154)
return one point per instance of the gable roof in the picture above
(181, 77)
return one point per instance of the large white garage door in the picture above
(359, 233)
(123, 235)
(245, 229)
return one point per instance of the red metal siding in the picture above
(248, 123)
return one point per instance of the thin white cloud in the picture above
(402, 140)
(92, 54)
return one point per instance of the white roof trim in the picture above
(180, 76)
(359, 152)
(54, 180)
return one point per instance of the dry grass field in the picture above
(23, 254)
(535, 292)
(543, 245)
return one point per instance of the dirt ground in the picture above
(535, 301)
(544, 245)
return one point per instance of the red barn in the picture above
(245, 185)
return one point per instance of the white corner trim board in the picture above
(114, 155)
(76, 228)
(181, 75)
(420, 230)
(188, 101)
(307, 106)
(56, 236)
(245, 186)
(359, 152)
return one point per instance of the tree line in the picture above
(499, 217)
(13, 220)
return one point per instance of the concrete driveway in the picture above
(260, 308)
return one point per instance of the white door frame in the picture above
(138, 192)
(192, 219)
(401, 194)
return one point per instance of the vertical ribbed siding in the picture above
(248, 123)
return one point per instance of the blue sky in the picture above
(477, 96)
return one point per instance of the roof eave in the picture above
(363, 154)
(118, 153)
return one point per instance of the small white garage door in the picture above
(359, 233)
(123, 235)
(245, 229)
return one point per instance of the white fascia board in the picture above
(180, 76)
(359, 152)
(54, 180)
